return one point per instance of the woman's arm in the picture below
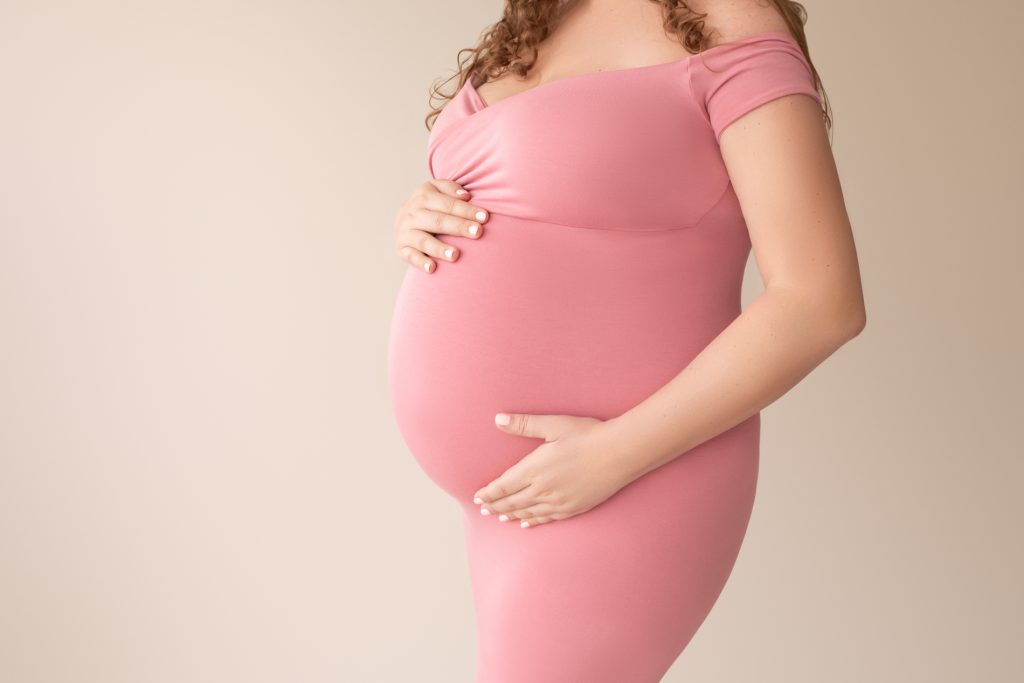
(781, 166)
(782, 169)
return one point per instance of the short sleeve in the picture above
(731, 79)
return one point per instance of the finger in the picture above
(451, 203)
(456, 206)
(523, 498)
(427, 244)
(529, 512)
(537, 521)
(417, 259)
(547, 427)
(439, 221)
(505, 485)
(449, 187)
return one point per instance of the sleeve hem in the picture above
(701, 101)
(762, 98)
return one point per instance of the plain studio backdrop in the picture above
(200, 477)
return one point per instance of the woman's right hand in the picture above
(435, 207)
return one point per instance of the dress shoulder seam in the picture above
(697, 102)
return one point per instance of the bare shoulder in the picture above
(729, 20)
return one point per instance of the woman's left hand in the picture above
(577, 468)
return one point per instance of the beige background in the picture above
(200, 479)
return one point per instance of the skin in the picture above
(436, 207)
(785, 177)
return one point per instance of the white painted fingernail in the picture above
(502, 518)
(449, 252)
(478, 500)
(524, 524)
(460, 192)
(473, 228)
(484, 511)
(480, 215)
(426, 266)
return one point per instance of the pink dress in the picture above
(614, 252)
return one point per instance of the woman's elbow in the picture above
(856, 322)
(848, 317)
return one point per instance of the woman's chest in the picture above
(624, 149)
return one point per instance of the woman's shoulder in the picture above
(751, 61)
(732, 21)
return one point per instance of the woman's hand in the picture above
(436, 206)
(579, 467)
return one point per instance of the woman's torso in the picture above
(613, 254)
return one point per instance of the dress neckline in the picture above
(482, 105)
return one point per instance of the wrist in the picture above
(621, 448)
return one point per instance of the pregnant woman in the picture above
(568, 356)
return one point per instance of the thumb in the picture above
(547, 427)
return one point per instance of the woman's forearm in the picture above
(758, 357)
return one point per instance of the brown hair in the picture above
(510, 44)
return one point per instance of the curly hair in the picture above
(510, 44)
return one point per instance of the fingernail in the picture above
(426, 266)
(449, 252)
(478, 500)
(502, 419)
(524, 524)
(480, 215)
(502, 518)
(460, 192)
(473, 228)
(484, 511)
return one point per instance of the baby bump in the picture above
(540, 318)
